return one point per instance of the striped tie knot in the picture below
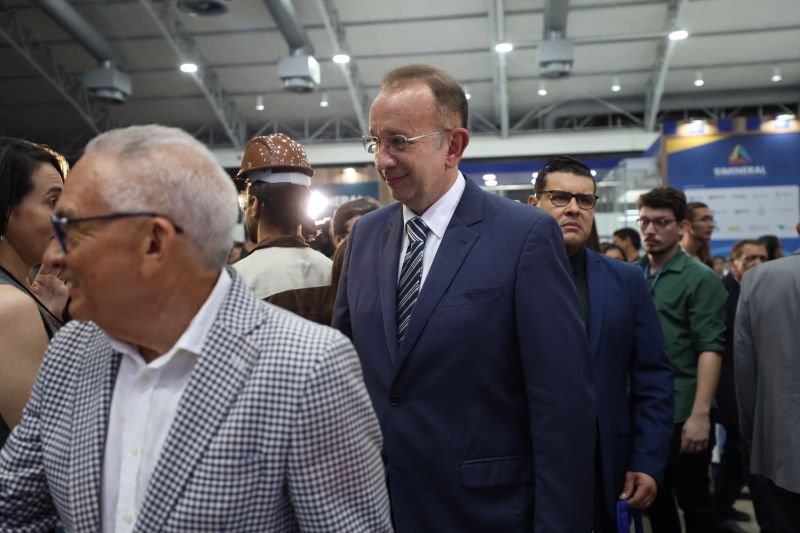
(417, 230)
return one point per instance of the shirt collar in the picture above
(675, 264)
(438, 215)
(194, 336)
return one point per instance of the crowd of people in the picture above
(462, 362)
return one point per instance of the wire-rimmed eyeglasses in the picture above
(563, 198)
(397, 143)
(60, 222)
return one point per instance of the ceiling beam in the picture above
(355, 86)
(206, 78)
(658, 79)
(41, 57)
(497, 23)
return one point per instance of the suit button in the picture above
(394, 399)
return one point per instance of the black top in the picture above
(578, 263)
(50, 323)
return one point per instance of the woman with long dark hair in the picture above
(31, 181)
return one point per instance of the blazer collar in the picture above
(222, 368)
(596, 272)
(456, 244)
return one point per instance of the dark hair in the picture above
(282, 204)
(772, 243)
(629, 234)
(611, 246)
(691, 207)
(665, 198)
(562, 163)
(336, 274)
(348, 210)
(19, 160)
(736, 249)
(450, 99)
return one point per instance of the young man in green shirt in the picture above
(690, 301)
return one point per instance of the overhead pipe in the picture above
(81, 30)
(289, 25)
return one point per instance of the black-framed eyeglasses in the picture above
(658, 223)
(562, 198)
(60, 222)
(397, 143)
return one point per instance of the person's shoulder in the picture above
(15, 305)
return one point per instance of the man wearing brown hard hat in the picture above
(282, 269)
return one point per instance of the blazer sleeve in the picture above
(341, 307)
(651, 388)
(557, 370)
(25, 502)
(336, 480)
(745, 365)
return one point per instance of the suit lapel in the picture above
(387, 279)
(456, 244)
(92, 405)
(596, 279)
(216, 380)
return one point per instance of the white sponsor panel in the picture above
(749, 212)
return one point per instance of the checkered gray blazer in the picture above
(275, 432)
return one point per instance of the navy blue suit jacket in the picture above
(487, 408)
(633, 377)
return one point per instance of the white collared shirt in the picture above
(144, 403)
(437, 217)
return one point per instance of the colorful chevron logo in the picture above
(739, 156)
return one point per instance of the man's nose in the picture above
(384, 159)
(572, 206)
(54, 255)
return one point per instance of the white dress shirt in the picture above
(437, 217)
(144, 403)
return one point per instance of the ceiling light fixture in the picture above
(698, 79)
(259, 103)
(489, 177)
(678, 35)
(776, 74)
(467, 94)
(542, 89)
(323, 102)
(615, 85)
(490, 183)
(341, 59)
(503, 48)
(188, 68)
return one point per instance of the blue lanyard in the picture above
(624, 515)
(646, 272)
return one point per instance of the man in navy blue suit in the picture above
(632, 375)
(484, 392)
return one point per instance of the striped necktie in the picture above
(410, 275)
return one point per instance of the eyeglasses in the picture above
(658, 223)
(397, 143)
(562, 198)
(60, 222)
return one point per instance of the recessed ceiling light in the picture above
(188, 68)
(698, 79)
(542, 89)
(489, 177)
(593, 172)
(323, 101)
(259, 103)
(341, 59)
(491, 183)
(503, 48)
(678, 35)
(776, 74)
(615, 85)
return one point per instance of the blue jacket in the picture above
(487, 408)
(633, 377)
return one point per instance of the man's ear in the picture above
(159, 240)
(532, 200)
(459, 139)
(684, 226)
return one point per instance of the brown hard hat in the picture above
(276, 152)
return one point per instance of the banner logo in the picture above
(740, 165)
(739, 156)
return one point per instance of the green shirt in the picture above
(690, 300)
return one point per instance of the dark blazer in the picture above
(487, 408)
(633, 377)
